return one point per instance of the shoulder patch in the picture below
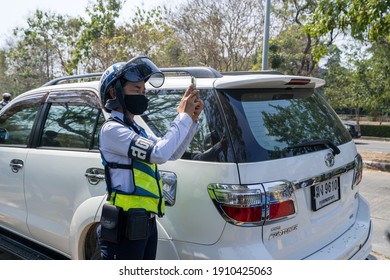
(140, 148)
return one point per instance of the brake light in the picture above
(253, 205)
(298, 82)
(281, 209)
(243, 214)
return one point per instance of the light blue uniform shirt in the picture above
(115, 140)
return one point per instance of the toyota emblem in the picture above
(329, 159)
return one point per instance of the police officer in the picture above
(6, 99)
(131, 156)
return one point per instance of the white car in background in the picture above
(271, 174)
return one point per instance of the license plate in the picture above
(325, 193)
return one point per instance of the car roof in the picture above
(229, 80)
(63, 86)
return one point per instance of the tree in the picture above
(290, 48)
(290, 54)
(379, 70)
(95, 48)
(222, 34)
(364, 20)
(41, 50)
(338, 80)
(104, 41)
(149, 33)
(5, 84)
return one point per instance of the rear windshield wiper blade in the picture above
(321, 142)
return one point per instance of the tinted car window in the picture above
(265, 123)
(72, 121)
(16, 123)
(210, 142)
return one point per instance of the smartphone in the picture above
(193, 82)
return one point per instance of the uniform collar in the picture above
(119, 115)
(116, 114)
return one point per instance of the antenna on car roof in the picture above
(73, 77)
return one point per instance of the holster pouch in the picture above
(111, 223)
(137, 224)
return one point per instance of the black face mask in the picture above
(136, 104)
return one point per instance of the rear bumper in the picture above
(243, 243)
(353, 244)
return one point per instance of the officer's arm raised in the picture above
(188, 102)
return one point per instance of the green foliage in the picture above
(221, 34)
(5, 84)
(149, 33)
(375, 130)
(379, 67)
(362, 83)
(291, 50)
(338, 80)
(96, 36)
(287, 52)
(42, 50)
(364, 20)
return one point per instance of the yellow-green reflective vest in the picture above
(148, 192)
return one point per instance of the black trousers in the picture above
(144, 249)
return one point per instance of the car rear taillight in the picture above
(281, 209)
(243, 214)
(281, 200)
(358, 171)
(254, 205)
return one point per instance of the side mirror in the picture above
(169, 180)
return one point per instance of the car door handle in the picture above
(94, 175)
(16, 165)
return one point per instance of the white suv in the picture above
(271, 174)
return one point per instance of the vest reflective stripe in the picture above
(148, 193)
(126, 202)
(147, 179)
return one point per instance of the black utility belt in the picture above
(132, 224)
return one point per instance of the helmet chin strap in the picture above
(119, 95)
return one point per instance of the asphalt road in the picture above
(372, 145)
(375, 187)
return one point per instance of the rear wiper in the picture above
(323, 142)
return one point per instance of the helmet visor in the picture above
(142, 69)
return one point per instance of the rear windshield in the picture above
(265, 124)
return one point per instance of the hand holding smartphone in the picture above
(193, 82)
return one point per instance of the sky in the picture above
(15, 12)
